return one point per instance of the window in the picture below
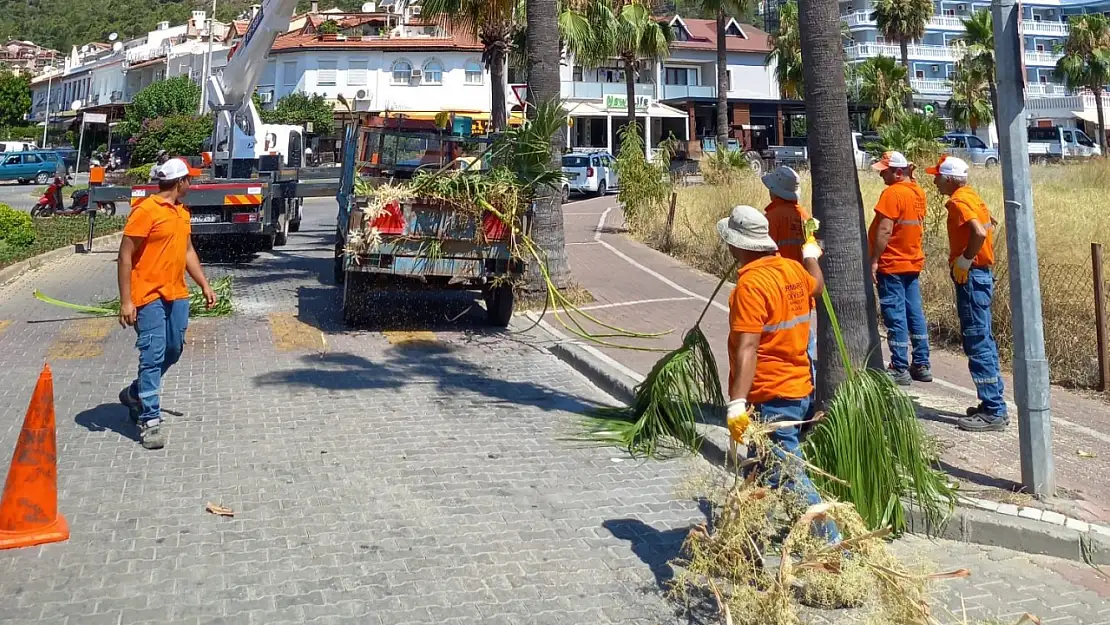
(976, 143)
(433, 72)
(1043, 79)
(729, 80)
(576, 74)
(475, 74)
(950, 12)
(680, 76)
(917, 73)
(12, 160)
(326, 74)
(402, 72)
(32, 159)
(356, 73)
(1040, 47)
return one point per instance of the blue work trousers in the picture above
(973, 304)
(161, 329)
(904, 318)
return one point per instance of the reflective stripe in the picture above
(908, 222)
(789, 323)
(791, 242)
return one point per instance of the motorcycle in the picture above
(50, 204)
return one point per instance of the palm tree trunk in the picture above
(904, 48)
(722, 82)
(836, 200)
(543, 85)
(630, 87)
(498, 115)
(1101, 121)
(993, 87)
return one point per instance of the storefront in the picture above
(598, 123)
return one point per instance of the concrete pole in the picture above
(46, 120)
(1031, 387)
(207, 63)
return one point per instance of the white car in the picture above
(590, 172)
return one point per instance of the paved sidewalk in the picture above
(639, 288)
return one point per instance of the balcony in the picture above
(862, 19)
(598, 90)
(930, 87)
(859, 18)
(1045, 90)
(1048, 29)
(917, 52)
(1041, 58)
(686, 92)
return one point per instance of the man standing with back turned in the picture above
(896, 262)
(971, 255)
(156, 251)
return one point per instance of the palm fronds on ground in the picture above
(197, 306)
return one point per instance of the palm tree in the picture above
(544, 54)
(721, 10)
(836, 198)
(970, 105)
(786, 53)
(914, 135)
(903, 21)
(979, 55)
(491, 22)
(636, 35)
(1086, 61)
(883, 82)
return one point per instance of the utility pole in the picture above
(1031, 387)
(207, 63)
(46, 120)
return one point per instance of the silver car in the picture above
(970, 148)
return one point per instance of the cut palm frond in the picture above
(681, 388)
(197, 305)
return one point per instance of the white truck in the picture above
(1056, 144)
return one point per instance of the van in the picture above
(17, 146)
(25, 166)
(970, 148)
(1056, 143)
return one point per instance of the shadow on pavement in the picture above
(106, 417)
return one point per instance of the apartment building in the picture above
(26, 57)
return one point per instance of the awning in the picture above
(1087, 116)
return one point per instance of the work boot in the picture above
(982, 422)
(150, 434)
(971, 412)
(901, 378)
(921, 373)
(134, 406)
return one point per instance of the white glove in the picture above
(812, 250)
(960, 268)
(738, 419)
(736, 407)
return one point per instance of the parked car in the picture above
(39, 166)
(69, 157)
(17, 146)
(1056, 144)
(970, 148)
(590, 172)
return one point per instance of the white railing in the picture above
(946, 22)
(931, 87)
(859, 18)
(1042, 58)
(1051, 29)
(679, 92)
(598, 90)
(953, 22)
(1045, 90)
(916, 51)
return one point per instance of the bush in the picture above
(139, 174)
(643, 184)
(724, 167)
(180, 135)
(57, 232)
(16, 227)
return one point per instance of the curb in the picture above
(969, 523)
(11, 272)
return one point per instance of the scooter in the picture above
(50, 204)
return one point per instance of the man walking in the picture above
(896, 262)
(154, 255)
(971, 255)
(769, 316)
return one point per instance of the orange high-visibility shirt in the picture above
(786, 221)
(903, 203)
(158, 266)
(772, 298)
(965, 205)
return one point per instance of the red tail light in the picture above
(494, 228)
(391, 221)
(244, 218)
(589, 172)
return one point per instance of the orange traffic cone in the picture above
(29, 507)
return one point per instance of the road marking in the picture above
(292, 334)
(584, 243)
(636, 303)
(410, 337)
(81, 339)
(4, 323)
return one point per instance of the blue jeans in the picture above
(904, 318)
(786, 446)
(973, 304)
(161, 329)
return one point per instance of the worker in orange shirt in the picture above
(155, 253)
(971, 256)
(770, 311)
(896, 262)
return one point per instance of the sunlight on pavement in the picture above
(292, 334)
(80, 339)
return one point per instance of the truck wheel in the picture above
(282, 236)
(499, 305)
(295, 225)
(266, 244)
(755, 162)
(340, 273)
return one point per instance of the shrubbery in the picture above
(16, 228)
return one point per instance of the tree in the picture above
(1086, 61)
(719, 11)
(979, 56)
(300, 108)
(914, 135)
(786, 53)
(493, 23)
(883, 82)
(328, 27)
(15, 97)
(165, 98)
(543, 52)
(903, 21)
(836, 199)
(179, 135)
(970, 105)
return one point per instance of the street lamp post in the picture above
(207, 63)
(46, 120)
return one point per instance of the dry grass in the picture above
(1070, 214)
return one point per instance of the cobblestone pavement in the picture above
(414, 472)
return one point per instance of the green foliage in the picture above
(979, 38)
(166, 98)
(970, 104)
(328, 27)
(902, 20)
(139, 174)
(914, 135)
(644, 184)
(180, 135)
(724, 167)
(198, 305)
(525, 150)
(15, 97)
(744, 12)
(786, 53)
(299, 109)
(57, 232)
(16, 227)
(884, 83)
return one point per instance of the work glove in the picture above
(960, 268)
(738, 417)
(811, 248)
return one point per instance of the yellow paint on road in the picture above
(81, 339)
(410, 337)
(292, 334)
(4, 323)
